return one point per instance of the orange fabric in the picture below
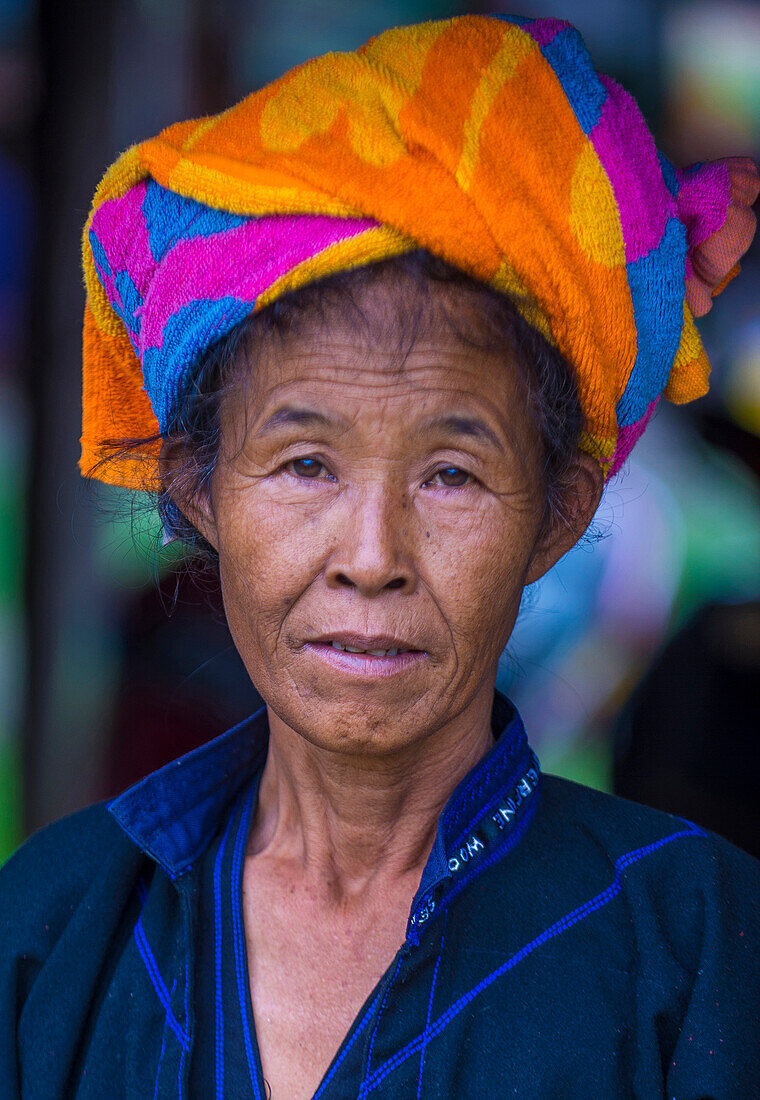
(122, 410)
(456, 136)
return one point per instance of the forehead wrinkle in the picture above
(337, 357)
(318, 402)
(362, 368)
(437, 376)
(313, 402)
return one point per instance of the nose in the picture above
(372, 553)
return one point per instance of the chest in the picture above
(310, 971)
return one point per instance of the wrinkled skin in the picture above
(378, 521)
(370, 536)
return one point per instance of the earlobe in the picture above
(579, 502)
(193, 501)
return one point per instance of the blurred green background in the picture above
(109, 664)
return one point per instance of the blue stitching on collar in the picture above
(526, 759)
(510, 840)
(516, 802)
(511, 739)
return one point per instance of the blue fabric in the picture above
(99, 255)
(566, 943)
(130, 303)
(567, 55)
(668, 174)
(659, 321)
(188, 335)
(171, 217)
(173, 813)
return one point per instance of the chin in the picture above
(362, 723)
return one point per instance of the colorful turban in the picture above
(492, 142)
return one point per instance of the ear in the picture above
(194, 503)
(580, 499)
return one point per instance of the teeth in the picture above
(370, 652)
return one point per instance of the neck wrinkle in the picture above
(344, 824)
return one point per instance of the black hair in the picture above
(491, 319)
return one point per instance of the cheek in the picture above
(268, 556)
(471, 558)
(476, 565)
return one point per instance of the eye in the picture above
(310, 468)
(451, 477)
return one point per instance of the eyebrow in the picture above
(464, 425)
(469, 426)
(291, 414)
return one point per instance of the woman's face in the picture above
(380, 501)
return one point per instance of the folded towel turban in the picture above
(492, 142)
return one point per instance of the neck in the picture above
(344, 821)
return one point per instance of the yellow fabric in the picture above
(455, 136)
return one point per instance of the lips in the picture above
(366, 663)
(369, 652)
(375, 645)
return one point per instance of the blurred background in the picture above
(636, 662)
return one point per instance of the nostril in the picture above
(357, 580)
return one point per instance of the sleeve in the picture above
(27, 912)
(46, 905)
(717, 1055)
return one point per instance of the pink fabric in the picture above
(621, 137)
(121, 229)
(545, 31)
(242, 262)
(703, 199)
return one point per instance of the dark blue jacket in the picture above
(563, 944)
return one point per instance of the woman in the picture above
(377, 336)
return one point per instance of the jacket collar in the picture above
(173, 814)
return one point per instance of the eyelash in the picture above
(288, 466)
(449, 469)
(306, 458)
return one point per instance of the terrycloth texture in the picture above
(490, 141)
